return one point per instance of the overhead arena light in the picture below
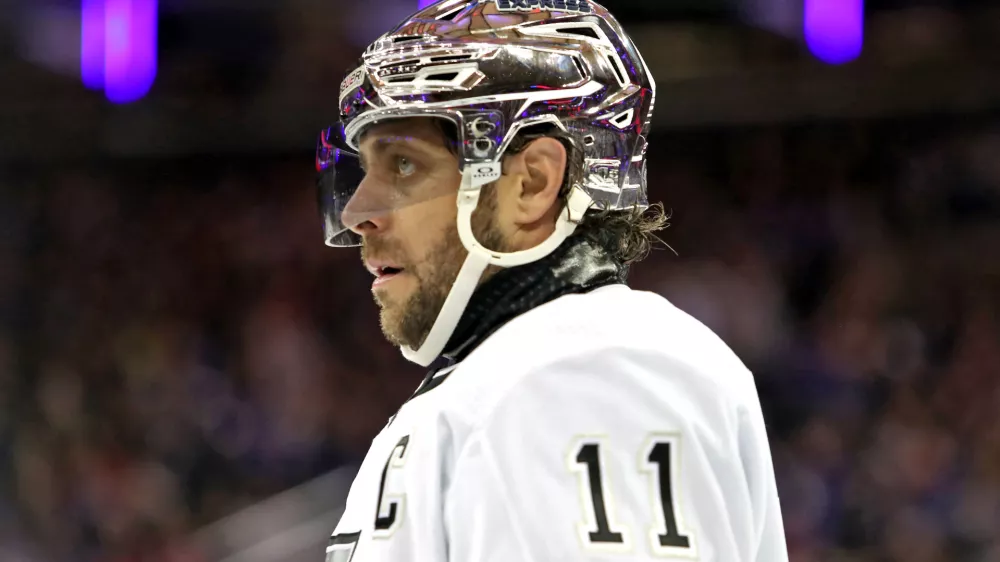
(118, 47)
(834, 29)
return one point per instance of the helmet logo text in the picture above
(352, 81)
(570, 6)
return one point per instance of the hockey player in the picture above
(490, 161)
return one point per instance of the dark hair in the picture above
(629, 234)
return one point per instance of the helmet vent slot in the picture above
(452, 14)
(407, 39)
(449, 58)
(442, 77)
(581, 31)
(616, 65)
(623, 119)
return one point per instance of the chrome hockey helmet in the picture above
(493, 68)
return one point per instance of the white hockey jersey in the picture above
(601, 426)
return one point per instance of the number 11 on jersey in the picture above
(659, 459)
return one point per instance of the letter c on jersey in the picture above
(388, 517)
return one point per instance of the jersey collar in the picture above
(579, 265)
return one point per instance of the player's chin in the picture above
(394, 292)
(392, 319)
(393, 283)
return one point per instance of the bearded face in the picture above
(411, 300)
(414, 248)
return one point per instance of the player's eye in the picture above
(404, 166)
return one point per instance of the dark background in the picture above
(176, 344)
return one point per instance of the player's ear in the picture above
(540, 167)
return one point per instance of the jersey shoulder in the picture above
(607, 386)
(635, 341)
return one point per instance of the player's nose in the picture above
(366, 213)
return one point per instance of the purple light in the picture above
(421, 4)
(92, 43)
(834, 29)
(117, 43)
(118, 47)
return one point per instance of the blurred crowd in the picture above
(176, 343)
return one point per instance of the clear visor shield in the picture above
(340, 174)
(402, 171)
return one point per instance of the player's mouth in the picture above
(383, 272)
(385, 275)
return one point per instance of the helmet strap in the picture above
(474, 177)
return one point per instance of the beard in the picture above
(407, 323)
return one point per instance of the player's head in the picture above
(532, 114)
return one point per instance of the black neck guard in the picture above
(578, 265)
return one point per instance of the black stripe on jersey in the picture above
(344, 538)
(433, 380)
(341, 547)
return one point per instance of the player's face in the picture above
(413, 247)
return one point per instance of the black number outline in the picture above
(599, 529)
(659, 459)
(590, 455)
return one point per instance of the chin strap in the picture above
(473, 179)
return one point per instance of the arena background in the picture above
(188, 375)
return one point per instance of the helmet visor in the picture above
(404, 170)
